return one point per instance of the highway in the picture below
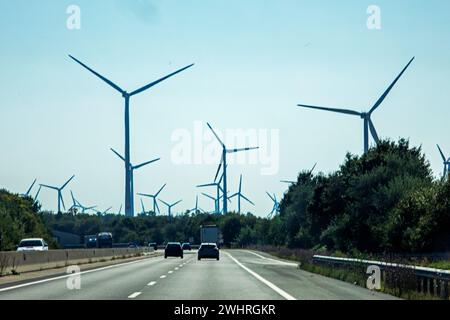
(239, 275)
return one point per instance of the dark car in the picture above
(173, 249)
(104, 240)
(153, 245)
(208, 250)
(186, 246)
(91, 242)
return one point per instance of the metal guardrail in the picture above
(418, 270)
(429, 280)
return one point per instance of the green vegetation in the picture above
(383, 202)
(20, 218)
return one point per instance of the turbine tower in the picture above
(131, 170)
(154, 197)
(239, 195)
(446, 163)
(129, 197)
(60, 197)
(276, 205)
(170, 206)
(365, 116)
(226, 151)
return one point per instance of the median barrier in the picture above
(18, 262)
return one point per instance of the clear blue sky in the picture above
(255, 60)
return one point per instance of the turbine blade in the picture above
(65, 184)
(240, 184)
(234, 195)
(310, 172)
(117, 154)
(112, 84)
(241, 149)
(62, 201)
(288, 182)
(146, 163)
(157, 194)
(49, 187)
(208, 196)
(381, 99)
(345, 111)
(148, 86)
(217, 137)
(37, 193)
(218, 170)
(373, 131)
(145, 195)
(270, 196)
(442, 154)
(207, 185)
(157, 207)
(246, 199)
(176, 203)
(164, 202)
(31, 187)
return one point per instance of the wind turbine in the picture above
(365, 116)
(294, 182)
(226, 151)
(240, 195)
(132, 168)
(196, 209)
(60, 197)
(170, 206)
(75, 203)
(129, 196)
(446, 162)
(104, 213)
(213, 199)
(29, 189)
(276, 205)
(154, 197)
(120, 210)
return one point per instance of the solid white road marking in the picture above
(134, 295)
(152, 283)
(270, 259)
(163, 276)
(71, 275)
(281, 292)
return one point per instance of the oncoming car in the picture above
(173, 249)
(208, 250)
(35, 244)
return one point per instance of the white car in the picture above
(36, 244)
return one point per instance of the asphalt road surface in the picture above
(239, 275)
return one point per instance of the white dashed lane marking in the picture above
(163, 276)
(151, 283)
(134, 295)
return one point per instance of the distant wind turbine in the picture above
(239, 195)
(129, 196)
(366, 116)
(276, 205)
(154, 197)
(60, 197)
(170, 206)
(196, 209)
(132, 168)
(226, 151)
(294, 182)
(446, 163)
